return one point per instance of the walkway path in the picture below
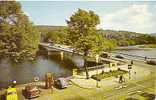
(136, 73)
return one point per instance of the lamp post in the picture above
(97, 61)
(61, 55)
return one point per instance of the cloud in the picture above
(138, 18)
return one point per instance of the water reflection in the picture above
(27, 70)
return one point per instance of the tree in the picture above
(82, 34)
(18, 37)
(55, 36)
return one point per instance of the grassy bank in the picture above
(148, 46)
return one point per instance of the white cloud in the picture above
(136, 18)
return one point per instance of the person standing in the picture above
(132, 62)
(120, 79)
(129, 74)
(145, 58)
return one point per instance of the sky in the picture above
(126, 15)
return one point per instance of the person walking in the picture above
(145, 58)
(120, 79)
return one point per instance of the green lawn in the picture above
(109, 74)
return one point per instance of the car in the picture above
(61, 83)
(105, 55)
(95, 78)
(151, 62)
(11, 94)
(32, 91)
(120, 56)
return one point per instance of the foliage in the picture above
(145, 39)
(125, 38)
(153, 34)
(83, 35)
(112, 37)
(56, 36)
(18, 37)
(53, 34)
(104, 75)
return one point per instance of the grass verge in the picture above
(104, 75)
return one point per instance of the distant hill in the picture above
(125, 38)
(107, 33)
(45, 28)
(122, 38)
(113, 34)
(153, 34)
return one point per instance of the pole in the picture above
(97, 61)
(85, 63)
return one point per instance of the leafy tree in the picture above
(18, 37)
(55, 36)
(83, 36)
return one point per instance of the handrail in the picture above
(91, 68)
(133, 55)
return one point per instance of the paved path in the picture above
(138, 72)
(146, 85)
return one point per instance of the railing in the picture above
(61, 48)
(133, 55)
(92, 68)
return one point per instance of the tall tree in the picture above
(18, 37)
(82, 34)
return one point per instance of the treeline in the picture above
(57, 34)
(126, 38)
(53, 34)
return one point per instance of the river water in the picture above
(139, 53)
(26, 71)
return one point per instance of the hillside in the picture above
(107, 33)
(118, 35)
(125, 38)
(153, 34)
(46, 28)
(121, 38)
